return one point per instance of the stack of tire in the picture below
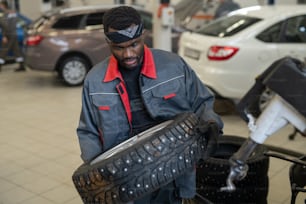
(212, 174)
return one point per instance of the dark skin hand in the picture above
(129, 54)
(4, 39)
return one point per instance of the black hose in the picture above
(286, 157)
(284, 151)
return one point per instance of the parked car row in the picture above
(229, 53)
(70, 41)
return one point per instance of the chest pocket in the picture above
(169, 98)
(108, 110)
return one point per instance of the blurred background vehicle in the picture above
(22, 24)
(230, 52)
(70, 41)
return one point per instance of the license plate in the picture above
(194, 54)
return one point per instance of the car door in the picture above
(293, 38)
(96, 47)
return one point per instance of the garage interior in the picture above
(39, 148)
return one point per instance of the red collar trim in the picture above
(148, 67)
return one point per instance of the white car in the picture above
(230, 52)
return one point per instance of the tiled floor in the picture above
(39, 149)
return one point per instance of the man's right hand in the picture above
(211, 131)
(4, 40)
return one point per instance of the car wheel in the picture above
(212, 174)
(73, 70)
(141, 164)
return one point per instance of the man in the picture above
(225, 7)
(8, 22)
(137, 88)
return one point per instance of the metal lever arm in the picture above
(275, 116)
(239, 167)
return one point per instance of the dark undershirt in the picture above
(141, 120)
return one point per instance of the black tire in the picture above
(212, 174)
(242, 195)
(141, 164)
(73, 70)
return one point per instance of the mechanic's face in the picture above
(129, 54)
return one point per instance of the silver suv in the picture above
(70, 41)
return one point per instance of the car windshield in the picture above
(227, 26)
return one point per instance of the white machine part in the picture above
(276, 115)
